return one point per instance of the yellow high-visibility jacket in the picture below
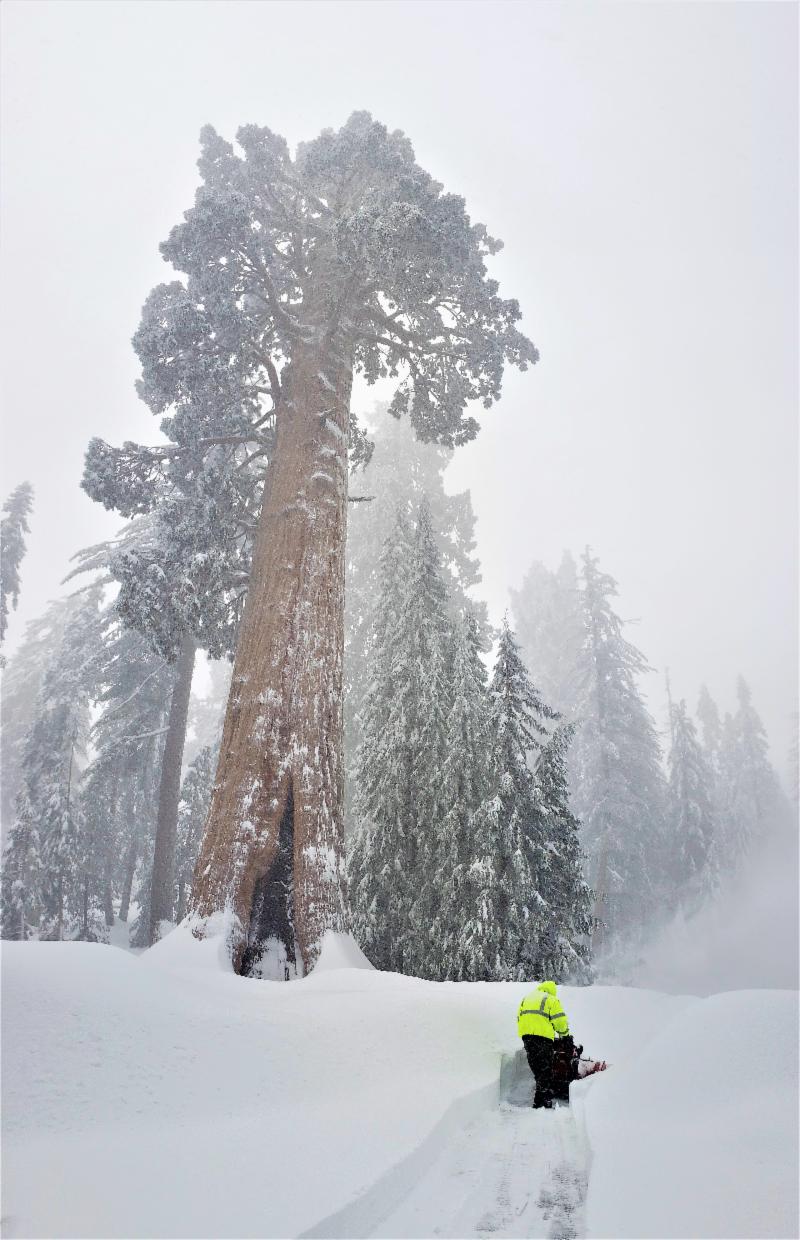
(541, 1013)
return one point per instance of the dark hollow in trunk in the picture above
(272, 913)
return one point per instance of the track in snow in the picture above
(492, 1167)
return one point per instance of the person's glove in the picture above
(567, 1042)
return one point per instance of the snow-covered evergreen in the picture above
(402, 472)
(23, 675)
(618, 784)
(380, 882)
(692, 823)
(752, 803)
(520, 907)
(466, 776)
(400, 797)
(561, 946)
(710, 728)
(21, 880)
(13, 528)
(46, 850)
(549, 622)
(467, 863)
(519, 734)
(132, 687)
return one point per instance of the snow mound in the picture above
(180, 948)
(698, 1136)
(340, 951)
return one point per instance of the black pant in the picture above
(540, 1062)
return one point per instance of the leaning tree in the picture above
(297, 273)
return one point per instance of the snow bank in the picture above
(340, 951)
(181, 949)
(144, 1096)
(698, 1136)
(162, 1095)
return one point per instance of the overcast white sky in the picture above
(640, 163)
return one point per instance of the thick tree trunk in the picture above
(162, 890)
(281, 753)
(127, 882)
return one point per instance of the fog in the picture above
(639, 162)
(747, 938)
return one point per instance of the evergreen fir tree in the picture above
(426, 699)
(380, 881)
(711, 728)
(752, 802)
(520, 733)
(400, 796)
(496, 879)
(560, 949)
(402, 471)
(21, 880)
(132, 688)
(539, 879)
(49, 801)
(22, 683)
(13, 528)
(692, 819)
(618, 785)
(550, 625)
(466, 783)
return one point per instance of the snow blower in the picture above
(569, 1065)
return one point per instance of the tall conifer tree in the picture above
(381, 883)
(402, 471)
(560, 947)
(295, 273)
(549, 622)
(752, 803)
(692, 825)
(619, 789)
(46, 845)
(466, 783)
(13, 528)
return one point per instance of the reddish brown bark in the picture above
(282, 741)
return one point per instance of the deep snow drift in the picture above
(154, 1096)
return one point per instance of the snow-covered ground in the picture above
(160, 1095)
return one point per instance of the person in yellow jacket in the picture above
(539, 1019)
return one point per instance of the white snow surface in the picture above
(161, 1095)
(340, 951)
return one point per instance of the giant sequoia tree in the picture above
(296, 273)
